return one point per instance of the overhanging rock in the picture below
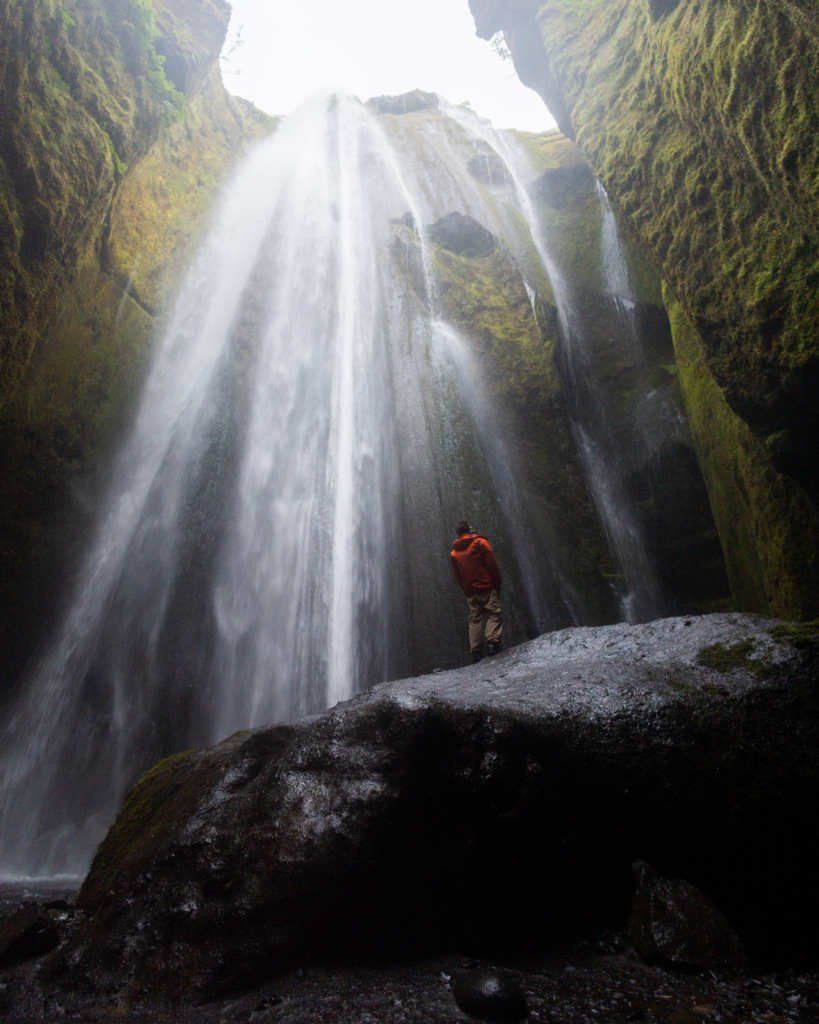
(503, 802)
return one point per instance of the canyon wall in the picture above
(115, 132)
(699, 118)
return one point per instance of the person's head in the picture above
(462, 528)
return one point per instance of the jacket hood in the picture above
(463, 542)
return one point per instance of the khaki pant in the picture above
(484, 608)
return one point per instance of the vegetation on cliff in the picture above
(84, 95)
(766, 521)
(700, 119)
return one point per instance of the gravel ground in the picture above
(593, 983)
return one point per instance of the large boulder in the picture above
(501, 802)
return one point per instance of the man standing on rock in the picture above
(475, 569)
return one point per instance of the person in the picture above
(475, 569)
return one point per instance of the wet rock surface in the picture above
(674, 922)
(462, 235)
(25, 934)
(490, 995)
(500, 805)
(406, 103)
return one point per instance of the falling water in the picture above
(603, 454)
(276, 533)
(616, 281)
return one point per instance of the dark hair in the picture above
(462, 528)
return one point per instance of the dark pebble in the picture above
(490, 995)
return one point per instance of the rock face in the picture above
(485, 284)
(407, 103)
(501, 803)
(672, 922)
(700, 120)
(463, 236)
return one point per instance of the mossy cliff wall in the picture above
(482, 286)
(115, 131)
(766, 521)
(485, 296)
(700, 119)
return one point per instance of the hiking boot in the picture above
(493, 648)
(476, 656)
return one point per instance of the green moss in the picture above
(677, 685)
(803, 636)
(163, 204)
(487, 299)
(83, 94)
(731, 657)
(713, 691)
(120, 166)
(768, 527)
(549, 150)
(142, 815)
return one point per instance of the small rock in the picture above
(673, 922)
(62, 905)
(26, 934)
(267, 1002)
(490, 995)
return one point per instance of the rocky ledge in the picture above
(498, 806)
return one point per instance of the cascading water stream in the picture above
(277, 530)
(600, 452)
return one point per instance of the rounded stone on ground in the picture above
(26, 935)
(490, 995)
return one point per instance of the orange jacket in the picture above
(474, 565)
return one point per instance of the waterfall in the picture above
(276, 533)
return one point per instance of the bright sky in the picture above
(373, 48)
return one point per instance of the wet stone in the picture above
(26, 934)
(490, 995)
(673, 922)
(463, 236)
